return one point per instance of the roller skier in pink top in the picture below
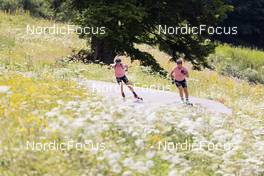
(179, 74)
(120, 74)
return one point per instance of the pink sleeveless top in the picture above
(120, 70)
(178, 73)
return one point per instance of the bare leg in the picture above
(132, 90)
(186, 93)
(122, 89)
(181, 92)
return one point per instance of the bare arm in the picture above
(111, 66)
(171, 73)
(186, 73)
(126, 67)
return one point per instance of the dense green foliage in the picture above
(136, 22)
(248, 17)
(239, 62)
(39, 8)
(55, 9)
(41, 103)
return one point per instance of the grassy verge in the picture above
(25, 106)
(17, 43)
(39, 102)
(243, 63)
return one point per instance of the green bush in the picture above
(242, 63)
(37, 8)
(10, 5)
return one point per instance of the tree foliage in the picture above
(248, 16)
(37, 8)
(130, 22)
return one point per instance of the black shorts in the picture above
(182, 83)
(124, 79)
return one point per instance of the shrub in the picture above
(37, 8)
(10, 5)
(242, 63)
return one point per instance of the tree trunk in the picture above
(102, 50)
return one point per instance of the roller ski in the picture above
(188, 103)
(138, 98)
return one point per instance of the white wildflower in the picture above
(94, 150)
(229, 154)
(217, 121)
(35, 112)
(173, 173)
(258, 132)
(127, 173)
(237, 137)
(176, 159)
(151, 117)
(261, 106)
(139, 143)
(112, 162)
(149, 164)
(165, 157)
(100, 158)
(185, 170)
(78, 122)
(200, 124)
(115, 156)
(28, 74)
(60, 102)
(128, 162)
(140, 167)
(51, 114)
(63, 119)
(221, 135)
(150, 154)
(187, 124)
(259, 146)
(107, 153)
(116, 168)
(135, 134)
(4, 89)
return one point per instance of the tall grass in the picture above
(18, 45)
(240, 62)
(44, 105)
(244, 57)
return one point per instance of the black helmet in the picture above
(179, 61)
(117, 60)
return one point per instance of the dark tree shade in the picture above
(248, 16)
(130, 22)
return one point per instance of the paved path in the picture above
(152, 98)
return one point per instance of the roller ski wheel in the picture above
(138, 98)
(188, 103)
